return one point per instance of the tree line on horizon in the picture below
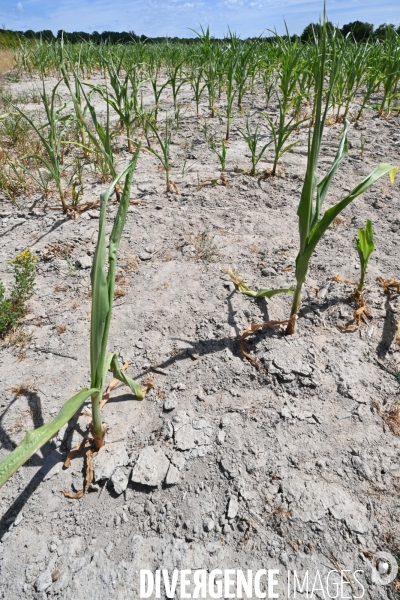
(357, 31)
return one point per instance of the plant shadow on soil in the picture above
(50, 457)
(389, 330)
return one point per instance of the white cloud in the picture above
(19, 7)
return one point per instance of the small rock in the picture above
(268, 271)
(188, 250)
(170, 402)
(105, 462)
(283, 559)
(178, 460)
(61, 583)
(149, 508)
(145, 256)
(229, 469)
(167, 431)
(18, 519)
(208, 525)
(151, 467)
(233, 507)
(173, 475)
(44, 581)
(221, 437)
(119, 481)
(83, 262)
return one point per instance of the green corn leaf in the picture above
(267, 293)
(323, 185)
(262, 292)
(36, 438)
(288, 147)
(102, 285)
(122, 376)
(100, 303)
(306, 210)
(365, 247)
(330, 214)
(365, 242)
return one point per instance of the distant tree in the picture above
(383, 31)
(313, 30)
(358, 31)
(47, 35)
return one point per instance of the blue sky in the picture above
(175, 17)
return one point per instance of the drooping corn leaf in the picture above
(266, 292)
(119, 374)
(36, 438)
(262, 292)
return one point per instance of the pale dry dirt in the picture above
(289, 466)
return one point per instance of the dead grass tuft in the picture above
(130, 263)
(338, 221)
(119, 292)
(6, 61)
(63, 250)
(23, 389)
(389, 285)
(18, 337)
(203, 244)
(390, 415)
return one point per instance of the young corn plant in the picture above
(220, 153)
(101, 136)
(164, 155)
(122, 101)
(51, 135)
(103, 286)
(176, 80)
(365, 247)
(245, 64)
(281, 132)
(230, 91)
(251, 140)
(311, 226)
(211, 65)
(197, 85)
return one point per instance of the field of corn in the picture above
(244, 197)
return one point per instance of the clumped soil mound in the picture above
(223, 464)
